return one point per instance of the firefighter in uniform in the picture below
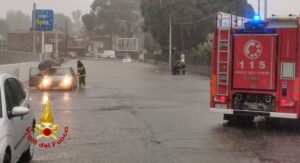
(176, 68)
(81, 73)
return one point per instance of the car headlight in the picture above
(67, 81)
(46, 82)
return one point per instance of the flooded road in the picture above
(133, 112)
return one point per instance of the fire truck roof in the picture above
(289, 17)
(283, 22)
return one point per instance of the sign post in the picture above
(43, 43)
(43, 21)
(33, 28)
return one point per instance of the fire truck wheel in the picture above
(245, 119)
(228, 117)
(273, 122)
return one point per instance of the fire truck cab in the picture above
(255, 67)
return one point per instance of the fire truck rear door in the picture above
(254, 61)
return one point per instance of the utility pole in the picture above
(66, 52)
(33, 28)
(259, 7)
(43, 45)
(170, 44)
(266, 9)
(56, 42)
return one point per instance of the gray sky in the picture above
(279, 7)
(59, 6)
(67, 6)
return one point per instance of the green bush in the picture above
(200, 55)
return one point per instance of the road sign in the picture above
(44, 20)
(127, 44)
(48, 48)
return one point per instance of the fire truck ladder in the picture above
(225, 23)
(223, 65)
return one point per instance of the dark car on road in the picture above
(58, 78)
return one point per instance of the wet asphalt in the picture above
(139, 113)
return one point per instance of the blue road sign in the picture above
(44, 20)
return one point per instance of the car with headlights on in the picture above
(55, 78)
(16, 121)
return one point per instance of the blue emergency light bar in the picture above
(257, 18)
(255, 31)
(256, 26)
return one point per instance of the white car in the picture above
(126, 60)
(15, 117)
(108, 54)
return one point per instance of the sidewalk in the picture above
(20, 70)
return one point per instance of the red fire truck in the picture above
(256, 67)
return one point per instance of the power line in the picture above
(195, 22)
(203, 19)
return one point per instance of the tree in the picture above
(109, 17)
(3, 27)
(17, 20)
(77, 24)
(191, 19)
(76, 15)
(60, 22)
(150, 44)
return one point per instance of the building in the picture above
(77, 46)
(97, 45)
(2, 42)
(22, 40)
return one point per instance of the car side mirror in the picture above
(19, 111)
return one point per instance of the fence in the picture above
(196, 64)
(194, 60)
(9, 57)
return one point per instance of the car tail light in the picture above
(287, 103)
(220, 99)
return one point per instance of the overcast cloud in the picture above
(279, 7)
(59, 6)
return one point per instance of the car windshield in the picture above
(59, 71)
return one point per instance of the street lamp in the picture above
(170, 43)
(266, 9)
(66, 52)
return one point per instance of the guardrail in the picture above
(10, 57)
